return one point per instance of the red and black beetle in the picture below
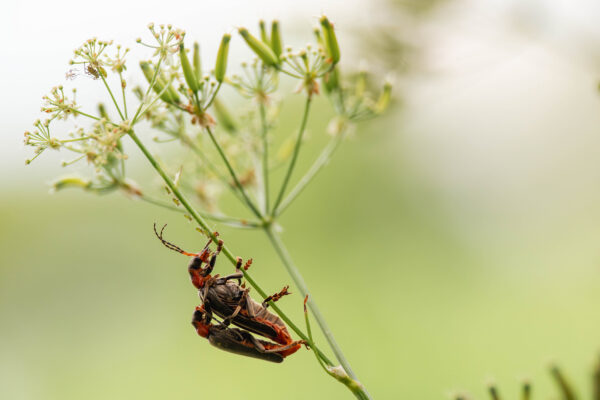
(239, 341)
(227, 299)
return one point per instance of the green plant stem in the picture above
(297, 146)
(196, 216)
(152, 82)
(233, 175)
(353, 384)
(319, 163)
(112, 97)
(265, 155)
(123, 93)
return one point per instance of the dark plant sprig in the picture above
(179, 101)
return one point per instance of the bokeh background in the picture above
(453, 242)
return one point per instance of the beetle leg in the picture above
(258, 345)
(279, 349)
(275, 296)
(238, 273)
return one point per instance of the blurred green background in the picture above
(453, 242)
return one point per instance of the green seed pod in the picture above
(159, 83)
(318, 36)
(361, 83)
(173, 94)
(196, 61)
(188, 72)
(102, 110)
(221, 65)
(331, 44)
(331, 80)
(276, 43)
(263, 32)
(263, 51)
(68, 182)
(384, 100)
(224, 117)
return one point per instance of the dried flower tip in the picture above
(330, 39)
(263, 51)
(221, 64)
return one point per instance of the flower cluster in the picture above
(227, 150)
(58, 104)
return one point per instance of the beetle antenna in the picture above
(170, 245)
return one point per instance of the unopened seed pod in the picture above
(276, 43)
(263, 31)
(67, 182)
(331, 80)
(102, 110)
(221, 65)
(384, 99)
(318, 36)
(263, 51)
(159, 84)
(224, 117)
(330, 39)
(196, 62)
(188, 72)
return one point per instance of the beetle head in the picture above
(201, 322)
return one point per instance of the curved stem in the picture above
(198, 218)
(297, 146)
(233, 175)
(319, 163)
(285, 257)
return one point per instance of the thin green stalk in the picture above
(265, 155)
(233, 175)
(196, 216)
(112, 97)
(301, 285)
(214, 96)
(297, 146)
(152, 82)
(319, 163)
(123, 93)
(346, 380)
(89, 115)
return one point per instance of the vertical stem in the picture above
(301, 285)
(297, 146)
(265, 155)
(112, 96)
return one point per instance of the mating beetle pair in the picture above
(230, 301)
